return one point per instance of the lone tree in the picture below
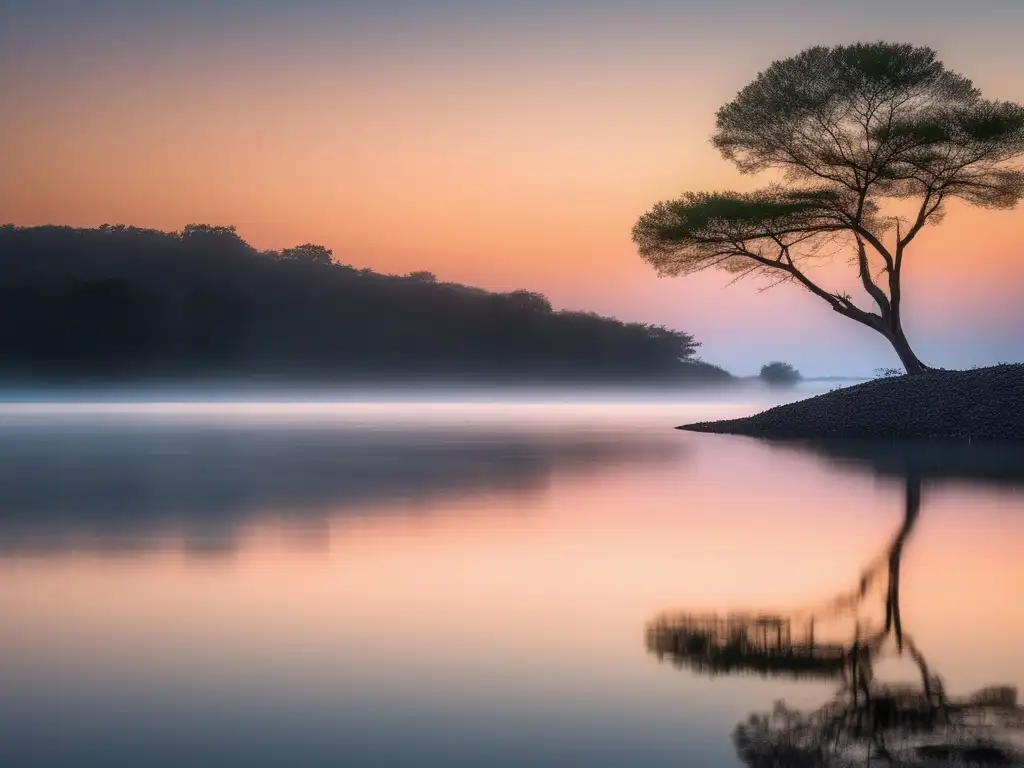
(779, 374)
(854, 128)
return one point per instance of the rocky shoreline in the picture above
(979, 404)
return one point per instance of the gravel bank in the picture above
(982, 404)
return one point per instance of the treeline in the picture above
(125, 302)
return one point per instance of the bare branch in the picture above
(873, 290)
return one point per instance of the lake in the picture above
(541, 581)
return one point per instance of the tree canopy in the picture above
(778, 373)
(311, 253)
(852, 129)
(121, 301)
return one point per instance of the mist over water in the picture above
(223, 397)
(443, 578)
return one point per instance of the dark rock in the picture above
(980, 404)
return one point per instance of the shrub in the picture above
(779, 374)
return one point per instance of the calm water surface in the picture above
(500, 584)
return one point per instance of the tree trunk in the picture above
(911, 363)
(911, 511)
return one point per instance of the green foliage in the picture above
(851, 127)
(785, 116)
(779, 374)
(702, 229)
(878, 117)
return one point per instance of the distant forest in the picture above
(122, 302)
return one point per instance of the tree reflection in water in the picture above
(866, 722)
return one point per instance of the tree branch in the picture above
(923, 214)
(840, 304)
(875, 242)
(869, 285)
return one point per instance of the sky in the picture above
(506, 145)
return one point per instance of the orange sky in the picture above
(508, 151)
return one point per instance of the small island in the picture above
(874, 142)
(980, 404)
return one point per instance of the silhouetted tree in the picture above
(779, 374)
(867, 722)
(851, 127)
(537, 302)
(309, 253)
(423, 276)
(126, 301)
(206, 230)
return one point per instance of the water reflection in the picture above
(989, 464)
(469, 592)
(867, 721)
(112, 485)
